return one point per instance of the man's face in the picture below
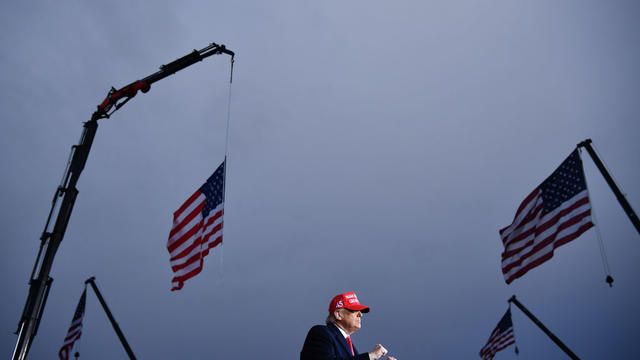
(348, 320)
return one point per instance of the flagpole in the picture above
(544, 328)
(124, 342)
(619, 195)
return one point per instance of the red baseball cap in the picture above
(349, 301)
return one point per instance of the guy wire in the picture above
(603, 254)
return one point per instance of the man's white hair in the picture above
(331, 319)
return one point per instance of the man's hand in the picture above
(377, 352)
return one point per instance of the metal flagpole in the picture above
(124, 342)
(621, 198)
(544, 328)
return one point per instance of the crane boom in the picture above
(40, 281)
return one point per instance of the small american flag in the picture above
(501, 337)
(75, 330)
(555, 213)
(197, 227)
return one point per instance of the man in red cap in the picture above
(333, 341)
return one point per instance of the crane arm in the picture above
(120, 97)
(40, 282)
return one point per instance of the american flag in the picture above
(555, 213)
(75, 330)
(197, 227)
(501, 337)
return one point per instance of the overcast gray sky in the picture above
(375, 147)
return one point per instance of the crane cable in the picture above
(603, 255)
(226, 166)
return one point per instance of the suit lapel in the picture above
(341, 340)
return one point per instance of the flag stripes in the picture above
(197, 228)
(555, 213)
(501, 337)
(75, 329)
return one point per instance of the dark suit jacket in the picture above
(327, 343)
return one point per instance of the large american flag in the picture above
(75, 330)
(197, 227)
(501, 337)
(555, 213)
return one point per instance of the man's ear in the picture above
(338, 315)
